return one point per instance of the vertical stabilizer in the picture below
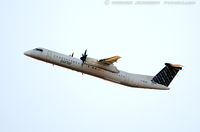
(167, 74)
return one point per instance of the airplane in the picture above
(105, 69)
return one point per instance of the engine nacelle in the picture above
(96, 63)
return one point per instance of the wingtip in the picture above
(118, 57)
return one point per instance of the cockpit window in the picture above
(38, 49)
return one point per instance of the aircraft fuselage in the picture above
(121, 77)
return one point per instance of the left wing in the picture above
(109, 61)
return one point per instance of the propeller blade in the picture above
(84, 57)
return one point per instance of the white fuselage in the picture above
(67, 61)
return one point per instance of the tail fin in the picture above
(167, 74)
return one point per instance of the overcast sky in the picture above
(37, 97)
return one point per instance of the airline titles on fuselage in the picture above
(66, 61)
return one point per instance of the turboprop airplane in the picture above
(105, 69)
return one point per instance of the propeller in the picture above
(84, 57)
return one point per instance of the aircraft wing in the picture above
(109, 61)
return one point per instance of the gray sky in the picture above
(37, 97)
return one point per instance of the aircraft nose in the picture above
(27, 53)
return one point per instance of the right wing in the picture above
(109, 61)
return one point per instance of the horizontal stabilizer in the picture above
(174, 65)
